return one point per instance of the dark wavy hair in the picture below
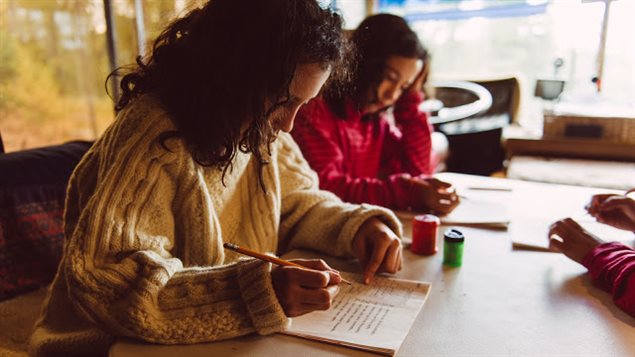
(215, 69)
(376, 39)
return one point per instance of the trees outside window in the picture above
(54, 63)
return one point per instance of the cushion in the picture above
(32, 192)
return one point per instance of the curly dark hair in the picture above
(215, 69)
(376, 39)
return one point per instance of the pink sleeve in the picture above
(316, 133)
(612, 267)
(411, 144)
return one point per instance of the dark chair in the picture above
(475, 142)
(32, 192)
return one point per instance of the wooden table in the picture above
(502, 301)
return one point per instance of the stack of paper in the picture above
(470, 212)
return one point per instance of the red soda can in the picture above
(424, 234)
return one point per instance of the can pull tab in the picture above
(454, 235)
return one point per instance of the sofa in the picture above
(32, 193)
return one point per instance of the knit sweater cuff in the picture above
(361, 215)
(266, 313)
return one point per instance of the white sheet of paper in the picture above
(374, 317)
(470, 212)
(532, 234)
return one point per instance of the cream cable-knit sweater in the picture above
(145, 227)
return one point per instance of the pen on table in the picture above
(588, 208)
(268, 258)
(504, 189)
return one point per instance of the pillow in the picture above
(32, 192)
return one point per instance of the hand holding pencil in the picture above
(615, 210)
(301, 285)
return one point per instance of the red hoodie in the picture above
(362, 160)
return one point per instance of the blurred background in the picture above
(54, 54)
(54, 60)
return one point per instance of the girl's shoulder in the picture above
(145, 113)
(141, 130)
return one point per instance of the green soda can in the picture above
(453, 241)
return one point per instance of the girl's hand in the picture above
(571, 239)
(378, 249)
(433, 195)
(301, 291)
(593, 207)
(421, 78)
(615, 210)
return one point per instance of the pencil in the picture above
(268, 258)
(504, 189)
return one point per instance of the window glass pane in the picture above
(156, 15)
(619, 60)
(53, 63)
(353, 12)
(477, 39)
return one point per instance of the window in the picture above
(477, 39)
(54, 59)
(353, 11)
(54, 63)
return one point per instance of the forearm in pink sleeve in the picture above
(612, 267)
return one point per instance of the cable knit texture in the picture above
(144, 231)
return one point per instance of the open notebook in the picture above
(470, 212)
(375, 317)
